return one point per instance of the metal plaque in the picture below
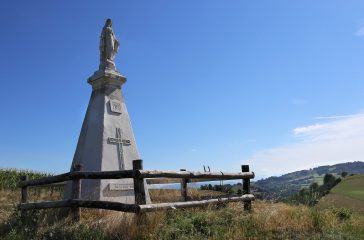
(115, 106)
(120, 187)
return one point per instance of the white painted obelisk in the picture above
(106, 141)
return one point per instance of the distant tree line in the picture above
(314, 192)
(226, 188)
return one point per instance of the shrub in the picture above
(342, 213)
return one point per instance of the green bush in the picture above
(342, 213)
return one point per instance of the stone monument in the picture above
(106, 141)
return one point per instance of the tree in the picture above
(329, 180)
(344, 174)
(314, 187)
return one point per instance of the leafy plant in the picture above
(342, 213)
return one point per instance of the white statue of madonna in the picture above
(109, 46)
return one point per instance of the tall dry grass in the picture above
(266, 221)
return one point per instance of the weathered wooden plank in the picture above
(117, 206)
(78, 175)
(139, 190)
(184, 189)
(189, 174)
(76, 193)
(104, 174)
(178, 180)
(164, 206)
(204, 176)
(24, 190)
(46, 180)
(246, 187)
(163, 180)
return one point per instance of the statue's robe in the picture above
(108, 45)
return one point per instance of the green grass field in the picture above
(352, 187)
(349, 193)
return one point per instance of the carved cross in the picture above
(120, 143)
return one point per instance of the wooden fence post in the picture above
(24, 190)
(184, 182)
(24, 195)
(246, 188)
(139, 190)
(76, 193)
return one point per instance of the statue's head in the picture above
(108, 22)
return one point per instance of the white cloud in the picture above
(319, 144)
(339, 116)
(307, 129)
(360, 31)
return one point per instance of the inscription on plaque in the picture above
(120, 187)
(115, 106)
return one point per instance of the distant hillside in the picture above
(290, 183)
(348, 193)
(352, 187)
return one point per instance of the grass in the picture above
(352, 186)
(266, 221)
(319, 179)
(349, 193)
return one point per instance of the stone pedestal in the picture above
(106, 141)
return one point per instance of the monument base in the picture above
(106, 141)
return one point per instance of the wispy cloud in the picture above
(307, 129)
(360, 31)
(339, 116)
(338, 140)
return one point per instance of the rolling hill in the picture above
(290, 183)
(348, 193)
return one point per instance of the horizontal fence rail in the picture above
(188, 174)
(139, 176)
(165, 206)
(178, 180)
(78, 175)
(134, 208)
(212, 176)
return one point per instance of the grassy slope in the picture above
(290, 183)
(348, 193)
(352, 187)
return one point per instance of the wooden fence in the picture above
(138, 175)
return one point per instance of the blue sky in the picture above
(276, 84)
